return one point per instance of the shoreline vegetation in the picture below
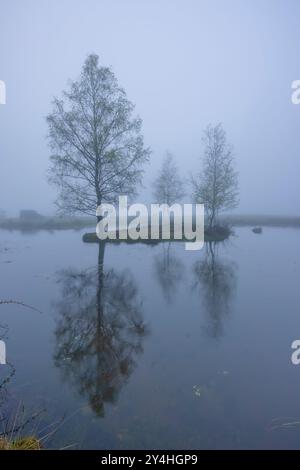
(47, 223)
(78, 223)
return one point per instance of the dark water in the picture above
(159, 347)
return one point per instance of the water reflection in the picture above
(216, 279)
(99, 331)
(169, 271)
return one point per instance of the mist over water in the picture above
(142, 344)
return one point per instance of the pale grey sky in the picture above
(184, 63)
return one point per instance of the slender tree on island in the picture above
(96, 142)
(217, 185)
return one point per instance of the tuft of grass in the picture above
(24, 443)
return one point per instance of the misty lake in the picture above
(160, 348)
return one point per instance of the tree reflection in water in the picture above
(216, 279)
(169, 270)
(99, 331)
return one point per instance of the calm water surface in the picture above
(156, 348)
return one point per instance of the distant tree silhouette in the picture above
(169, 186)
